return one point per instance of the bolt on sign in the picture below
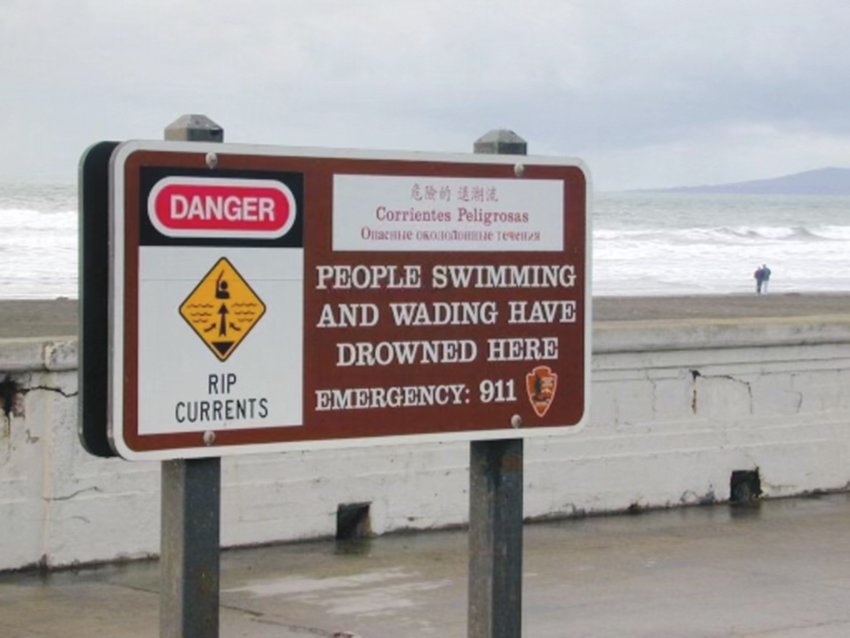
(281, 298)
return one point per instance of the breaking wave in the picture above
(642, 243)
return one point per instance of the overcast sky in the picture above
(647, 92)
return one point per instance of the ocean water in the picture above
(38, 241)
(676, 243)
(644, 243)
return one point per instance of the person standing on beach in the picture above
(759, 276)
(765, 277)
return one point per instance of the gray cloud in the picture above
(654, 92)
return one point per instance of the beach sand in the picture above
(58, 317)
(720, 306)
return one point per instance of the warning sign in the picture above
(222, 309)
(424, 298)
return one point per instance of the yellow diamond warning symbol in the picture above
(222, 309)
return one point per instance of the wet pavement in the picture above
(777, 569)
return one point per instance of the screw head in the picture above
(212, 160)
(519, 170)
(209, 437)
(516, 421)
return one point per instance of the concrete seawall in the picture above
(677, 408)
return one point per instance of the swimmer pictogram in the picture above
(222, 309)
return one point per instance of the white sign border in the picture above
(117, 252)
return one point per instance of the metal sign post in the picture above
(495, 504)
(191, 505)
(189, 548)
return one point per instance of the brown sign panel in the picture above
(300, 298)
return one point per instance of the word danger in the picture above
(229, 207)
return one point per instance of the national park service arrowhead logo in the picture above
(541, 384)
(222, 309)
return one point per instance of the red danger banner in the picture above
(221, 208)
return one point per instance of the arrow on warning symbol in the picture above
(222, 328)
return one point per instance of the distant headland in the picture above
(822, 181)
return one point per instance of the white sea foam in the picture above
(38, 241)
(644, 243)
(684, 244)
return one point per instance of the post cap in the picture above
(501, 142)
(194, 128)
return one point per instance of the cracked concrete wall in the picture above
(675, 410)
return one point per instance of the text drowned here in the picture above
(386, 353)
